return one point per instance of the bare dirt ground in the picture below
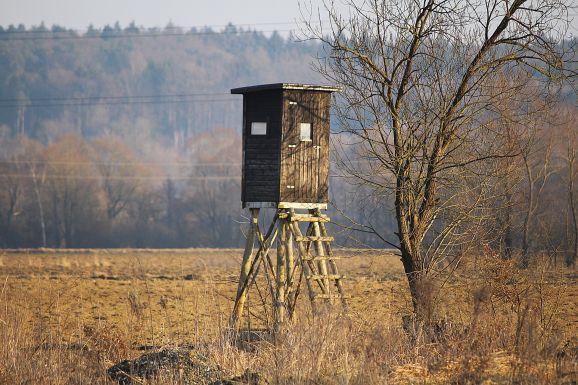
(113, 304)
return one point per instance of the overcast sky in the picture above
(78, 14)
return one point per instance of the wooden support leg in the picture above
(266, 242)
(262, 253)
(291, 270)
(245, 267)
(281, 275)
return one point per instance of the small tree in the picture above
(36, 171)
(71, 190)
(536, 159)
(571, 175)
(420, 80)
(119, 170)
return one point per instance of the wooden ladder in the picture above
(324, 283)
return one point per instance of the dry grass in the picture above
(67, 316)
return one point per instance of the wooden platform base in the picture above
(301, 256)
(284, 205)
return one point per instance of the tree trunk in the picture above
(571, 258)
(420, 287)
(40, 208)
(413, 267)
(508, 238)
(525, 258)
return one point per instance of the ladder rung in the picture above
(313, 238)
(308, 218)
(321, 277)
(327, 258)
(331, 296)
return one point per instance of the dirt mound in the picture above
(178, 364)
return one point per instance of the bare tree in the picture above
(419, 85)
(71, 189)
(215, 186)
(11, 189)
(36, 167)
(120, 171)
(504, 189)
(538, 169)
(571, 139)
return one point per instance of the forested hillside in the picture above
(167, 85)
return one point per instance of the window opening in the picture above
(258, 128)
(305, 132)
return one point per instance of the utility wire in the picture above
(130, 177)
(149, 29)
(127, 177)
(121, 163)
(179, 164)
(121, 102)
(104, 35)
(114, 97)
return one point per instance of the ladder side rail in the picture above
(305, 255)
(321, 263)
(333, 266)
(306, 267)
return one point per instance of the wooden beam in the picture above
(281, 276)
(315, 238)
(327, 276)
(246, 265)
(308, 218)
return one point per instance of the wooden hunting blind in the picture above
(285, 145)
(286, 167)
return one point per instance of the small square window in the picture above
(305, 132)
(258, 128)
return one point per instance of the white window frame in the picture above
(258, 128)
(308, 127)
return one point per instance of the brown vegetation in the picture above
(66, 316)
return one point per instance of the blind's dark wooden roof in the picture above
(284, 86)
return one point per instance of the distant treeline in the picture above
(99, 193)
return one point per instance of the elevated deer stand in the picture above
(299, 257)
(286, 128)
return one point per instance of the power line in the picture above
(151, 29)
(124, 35)
(114, 97)
(127, 177)
(130, 177)
(121, 163)
(97, 163)
(121, 102)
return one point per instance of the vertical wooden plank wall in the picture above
(261, 152)
(305, 165)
